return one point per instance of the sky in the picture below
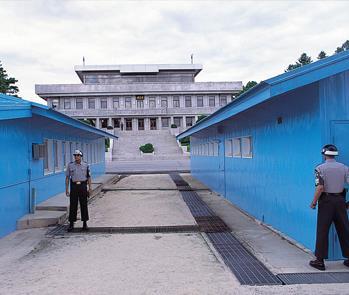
(41, 41)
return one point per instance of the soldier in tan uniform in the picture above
(330, 178)
(78, 176)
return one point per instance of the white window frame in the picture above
(236, 147)
(246, 142)
(48, 156)
(228, 148)
(215, 148)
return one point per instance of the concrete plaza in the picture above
(32, 262)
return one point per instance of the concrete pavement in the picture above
(173, 263)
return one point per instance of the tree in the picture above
(344, 47)
(322, 55)
(200, 117)
(303, 60)
(248, 86)
(7, 83)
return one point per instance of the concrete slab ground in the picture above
(173, 263)
(140, 208)
(147, 181)
(147, 166)
(277, 252)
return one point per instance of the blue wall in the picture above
(276, 185)
(19, 172)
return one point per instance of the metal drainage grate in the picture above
(246, 267)
(314, 278)
(62, 230)
(211, 224)
(196, 206)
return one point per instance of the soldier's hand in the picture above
(312, 205)
(89, 193)
(67, 193)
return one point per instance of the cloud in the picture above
(41, 41)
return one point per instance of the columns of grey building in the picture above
(129, 81)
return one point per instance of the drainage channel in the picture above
(245, 266)
(61, 230)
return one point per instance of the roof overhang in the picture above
(273, 87)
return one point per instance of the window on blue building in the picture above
(246, 147)
(48, 158)
(228, 148)
(216, 149)
(236, 145)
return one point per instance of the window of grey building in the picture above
(200, 101)
(176, 102)
(116, 103)
(164, 102)
(67, 103)
(152, 104)
(188, 101)
(165, 122)
(177, 121)
(55, 103)
(222, 101)
(211, 101)
(189, 121)
(140, 104)
(79, 104)
(91, 103)
(128, 103)
(104, 103)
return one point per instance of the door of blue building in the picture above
(340, 137)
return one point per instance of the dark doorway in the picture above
(140, 124)
(152, 123)
(116, 122)
(128, 124)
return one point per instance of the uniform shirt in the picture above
(332, 175)
(78, 172)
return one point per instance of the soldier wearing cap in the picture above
(78, 175)
(330, 178)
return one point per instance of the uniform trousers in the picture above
(78, 193)
(332, 208)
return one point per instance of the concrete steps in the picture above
(126, 148)
(55, 210)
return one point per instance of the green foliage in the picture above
(248, 86)
(200, 117)
(173, 126)
(147, 148)
(344, 47)
(303, 60)
(322, 55)
(185, 140)
(86, 121)
(188, 148)
(7, 83)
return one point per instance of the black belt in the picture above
(79, 182)
(334, 194)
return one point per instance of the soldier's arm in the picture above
(89, 178)
(67, 178)
(319, 183)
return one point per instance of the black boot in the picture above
(71, 226)
(318, 264)
(85, 227)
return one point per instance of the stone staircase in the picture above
(126, 148)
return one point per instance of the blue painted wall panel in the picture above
(276, 185)
(16, 138)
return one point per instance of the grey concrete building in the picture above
(139, 97)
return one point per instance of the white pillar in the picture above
(97, 123)
(110, 123)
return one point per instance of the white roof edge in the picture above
(144, 68)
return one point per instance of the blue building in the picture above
(260, 150)
(36, 144)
